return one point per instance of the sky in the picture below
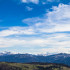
(35, 26)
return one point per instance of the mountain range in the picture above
(61, 58)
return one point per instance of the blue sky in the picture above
(35, 26)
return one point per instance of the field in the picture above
(32, 66)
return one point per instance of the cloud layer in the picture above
(50, 32)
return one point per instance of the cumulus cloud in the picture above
(56, 21)
(51, 32)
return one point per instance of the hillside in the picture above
(32, 66)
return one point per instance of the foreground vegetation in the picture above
(32, 66)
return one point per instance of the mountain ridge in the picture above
(61, 58)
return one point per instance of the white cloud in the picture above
(16, 31)
(29, 8)
(54, 43)
(37, 1)
(32, 21)
(33, 1)
(53, 0)
(56, 50)
(10, 42)
(25, 1)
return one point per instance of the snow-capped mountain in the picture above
(62, 58)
